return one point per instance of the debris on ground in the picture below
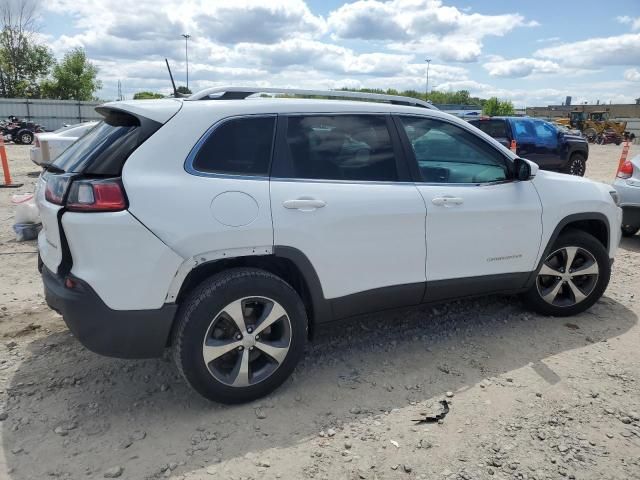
(434, 418)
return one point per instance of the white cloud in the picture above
(582, 92)
(520, 67)
(440, 31)
(259, 21)
(367, 43)
(632, 75)
(548, 40)
(627, 20)
(322, 56)
(246, 42)
(367, 20)
(596, 52)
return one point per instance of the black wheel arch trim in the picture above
(562, 224)
(321, 307)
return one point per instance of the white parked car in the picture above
(228, 227)
(49, 145)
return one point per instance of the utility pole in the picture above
(186, 53)
(426, 90)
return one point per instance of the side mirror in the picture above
(523, 169)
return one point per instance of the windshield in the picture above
(116, 135)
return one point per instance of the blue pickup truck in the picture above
(550, 146)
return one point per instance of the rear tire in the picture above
(629, 230)
(232, 319)
(560, 289)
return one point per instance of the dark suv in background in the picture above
(539, 141)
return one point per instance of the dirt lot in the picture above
(531, 397)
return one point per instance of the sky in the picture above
(530, 52)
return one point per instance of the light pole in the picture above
(186, 53)
(426, 90)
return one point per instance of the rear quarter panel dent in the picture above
(129, 267)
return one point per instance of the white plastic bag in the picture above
(26, 208)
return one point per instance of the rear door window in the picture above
(239, 146)
(340, 147)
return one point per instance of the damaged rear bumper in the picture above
(114, 333)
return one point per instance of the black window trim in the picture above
(188, 163)
(410, 155)
(279, 163)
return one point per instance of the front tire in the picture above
(239, 335)
(572, 277)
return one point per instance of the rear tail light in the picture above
(625, 170)
(85, 195)
(103, 195)
(56, 187)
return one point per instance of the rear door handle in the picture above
(447, 201)
(304, 204)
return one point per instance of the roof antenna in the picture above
(175, 90)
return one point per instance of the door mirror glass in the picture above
(522, 169)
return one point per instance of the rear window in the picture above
(493, 128)
(104, 149)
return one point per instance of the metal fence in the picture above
(51, 114)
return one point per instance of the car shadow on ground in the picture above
(86, 413)
(631, 244)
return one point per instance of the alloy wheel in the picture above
(567, 277)
(247, 341)
(577, 167)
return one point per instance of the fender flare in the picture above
(321, 307)
(575, 217)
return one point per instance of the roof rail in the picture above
(240, 93)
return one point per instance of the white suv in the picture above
(227, 227)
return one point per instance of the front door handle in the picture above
(447, 201)
(304, 204)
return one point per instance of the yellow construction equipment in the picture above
(594, 124)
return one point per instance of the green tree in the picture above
(72, 79)
(146, 95)
(23, 62)
(493, 107)
(184, 90)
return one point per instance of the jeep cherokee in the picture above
(226, 227)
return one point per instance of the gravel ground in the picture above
(530, 397)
